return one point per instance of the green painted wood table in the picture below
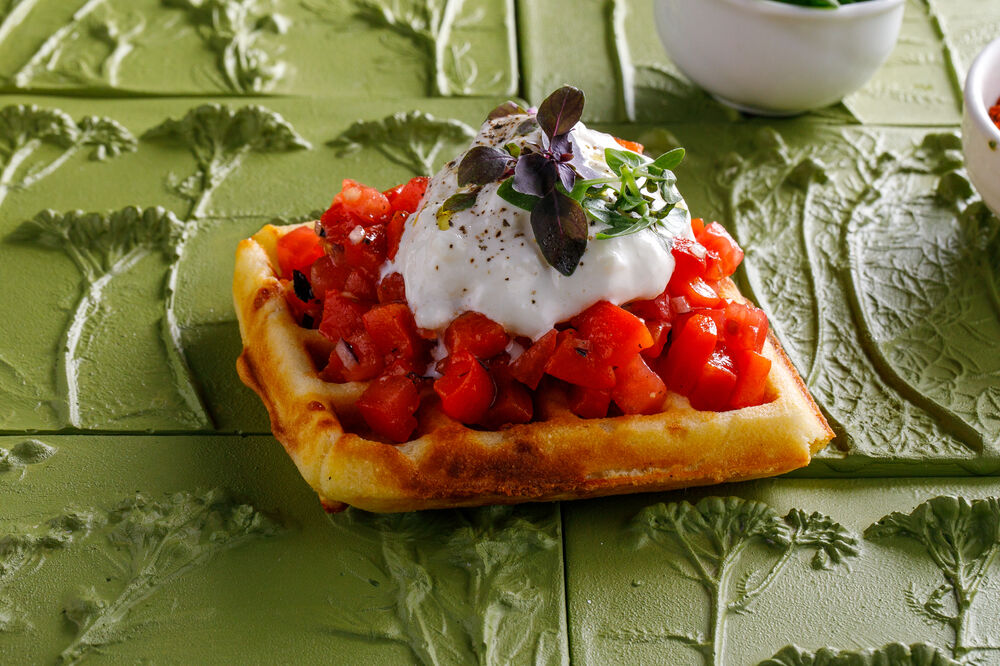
(147, 514)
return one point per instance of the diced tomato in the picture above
(341, 316)
(614, 333)
(406, 197)
(513, 402)
(529, 367)
(392, 289)
(360, 285)
(576, 361)
(715, 383)
(657, 309)
(660, 332)
(745, 326)
(634, 146)
(388, 405)
(589, 403)
(688, 353)
(475, 333)
(369, 252)
(466, 389)
(354, 359)
(752, 370)
(394, 232)
(697, 226)
(393, 330)
(689, 258)
(301, 309)
(325, 275)
(365, 203)
(638, 390)
(697, 293)
(724, 253)
(297, 250)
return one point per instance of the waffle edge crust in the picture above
(560, 456)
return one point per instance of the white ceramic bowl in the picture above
(774, 58)
(980, 137)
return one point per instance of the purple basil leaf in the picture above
(561, 144)
(483, 165)
(560, 226)
(561, 111)
(506, 109)
(534, 174)
(567, 176)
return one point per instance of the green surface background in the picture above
(877, 264)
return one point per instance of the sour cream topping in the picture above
(488, 260)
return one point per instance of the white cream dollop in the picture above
(488, 260)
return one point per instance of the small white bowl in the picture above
(980, 137)
(777, 59)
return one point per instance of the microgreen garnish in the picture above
(552, 181)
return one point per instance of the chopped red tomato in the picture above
(689, 262)
(715, 383)
(745, 326)
(614, 333)
(576, 361)
(513, 402)
(366, 251)
(589, 403)
(341, 316)
(354, 359)
(475, 333)
(657, 309)
(687, 354)
(751, 380)
(393, 330)
(638, 390)
(297, 250)
(406, 197)
(660, 332)
(465, 389)
(696, 292)
(388, 405)
(529, 367)
(724, 254)
(394, 232)
(634, 146)
(392, 289)
(366, 204)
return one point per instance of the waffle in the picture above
(558, 456)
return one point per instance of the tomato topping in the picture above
(576, 361)
(689, 258)
(394, 232)
(688, 353)
(477, 334)
(589, 403)
(393, 330)
(660, 332)
(297, 250)
(366, 250)
(513, 402)
(615, 333)
(306, 313)
(638, 390)
(745, 326)
(634, 146)
(366, 204)
(341, 316)
(353, 359)
(529, 367)
(657, 309)
(715, 383)
(724, 254)
(406, 197)
(750, 380)
(392, 289)
(360, 285)
(388, 405)
(466, 389)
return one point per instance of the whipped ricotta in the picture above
(488, 260)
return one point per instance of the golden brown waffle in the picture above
(558, 456)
